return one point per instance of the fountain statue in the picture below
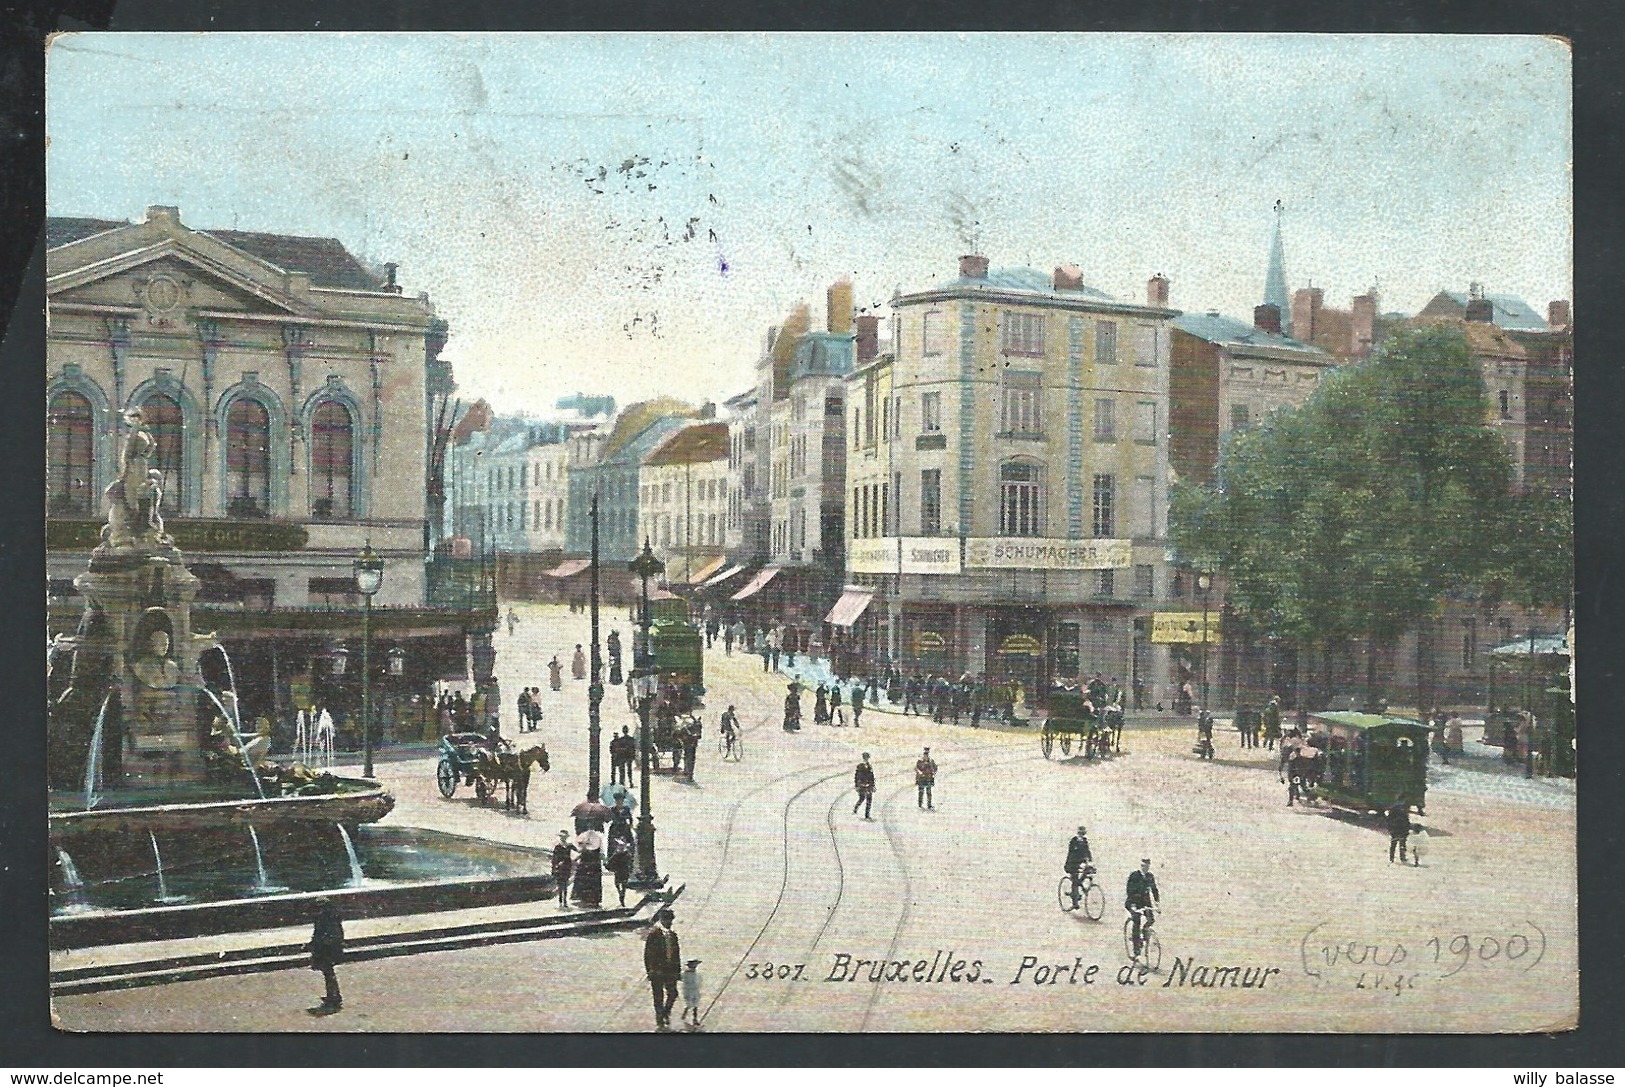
(141, 747)
(136, 639)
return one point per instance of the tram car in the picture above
(677, 649)
(1372, 761)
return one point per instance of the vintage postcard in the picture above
(840, 532)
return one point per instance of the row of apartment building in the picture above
(989, 493)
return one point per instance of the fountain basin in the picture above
(358, 801)
(407, 871)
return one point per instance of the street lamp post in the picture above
(595, 686)
(1204, 582)
(369, 578)
(643, 677)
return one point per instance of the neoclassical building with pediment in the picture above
(290, 390)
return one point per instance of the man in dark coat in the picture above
(690, 737)
(857, 706)
(1078, 857)
(623, 752)
(863, 780)
(326, 951)
(1140, 897)
(1399, 829)
(663, 962)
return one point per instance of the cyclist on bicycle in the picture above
(730, 729)
(1140, 900)
(1079, 862)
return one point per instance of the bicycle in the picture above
(731, 748)
(1080, 891)
(1149, 954)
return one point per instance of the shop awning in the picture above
(757, 583)
(708, 567)
(569, 568)
(1541, 645)
(718, 579)
(849, 607)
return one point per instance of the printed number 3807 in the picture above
(768, 971)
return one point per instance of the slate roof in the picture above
(64, 230)
(1215, 328)
(1509, 311)
(325, 260)
(698, 444)
(1028, 281)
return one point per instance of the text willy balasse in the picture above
(949, 967)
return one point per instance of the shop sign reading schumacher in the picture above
(940, 554)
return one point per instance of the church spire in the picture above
(1275, 278)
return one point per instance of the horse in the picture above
(511, 770)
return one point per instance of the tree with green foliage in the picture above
(1355, 516)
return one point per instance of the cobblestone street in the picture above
(785, 890)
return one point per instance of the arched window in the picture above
(162, 415)
(70, 456)
(248, 459)
(1021, 499)
(332, 456)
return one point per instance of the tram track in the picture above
(894, 838)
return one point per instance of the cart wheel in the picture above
(482, 789)
(1046, 742)
(1066, 744)
(1094, 902)
(1064, 892)
(445, 775)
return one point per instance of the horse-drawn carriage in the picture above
(676, 652)
(487, 764)
(1073, 719)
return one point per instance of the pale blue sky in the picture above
(1413, 163)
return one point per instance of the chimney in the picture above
(1068, 277)
(972, 267)
(1156, 290)
(1481, 310)
(1267, 318)
(1557, 316)
(838, 307)
(868, 331)
(390, 285)
(164, 213)
(1306, 302)
(1362, 324)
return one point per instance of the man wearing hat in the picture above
(1140, 898)
(863, 780)
(1078, 858)
(663, 962)
(925, 779)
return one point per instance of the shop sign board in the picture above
(1184, 627)
(1014, 553)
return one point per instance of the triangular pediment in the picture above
(120, 267)
(172, 282)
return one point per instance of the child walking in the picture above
(691, 994)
